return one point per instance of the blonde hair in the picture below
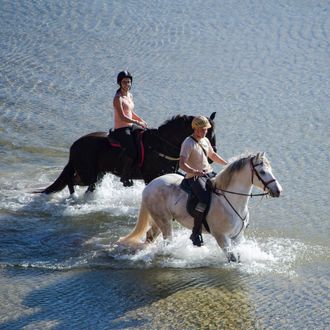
(200, 122)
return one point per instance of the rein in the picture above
(219, 192)
(173, 159)
(164, 140)
(170, 158)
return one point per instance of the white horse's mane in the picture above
(223, 178)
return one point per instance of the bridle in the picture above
(219, 191)
(254, 171)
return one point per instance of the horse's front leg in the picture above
(226, 245)
(231, 256)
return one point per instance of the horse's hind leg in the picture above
(71, 187)
(152, 233)
(92, 186)
(163, 224)
(71, 183)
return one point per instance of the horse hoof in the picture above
(127, 182)
(231, 258)
(197, 240)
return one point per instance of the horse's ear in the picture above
(212, 115)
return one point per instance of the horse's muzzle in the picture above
(276, 190)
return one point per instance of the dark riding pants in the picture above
(199, 189)
(125, 136)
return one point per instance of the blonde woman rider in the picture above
(194, 154)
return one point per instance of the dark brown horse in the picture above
(93, 155)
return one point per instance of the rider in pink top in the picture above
(124, 118)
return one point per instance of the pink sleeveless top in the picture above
(128, 106)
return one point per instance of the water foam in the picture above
(257, 255)
(110, 196)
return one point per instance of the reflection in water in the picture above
(199, 299)
(120, 299)
(160, 299)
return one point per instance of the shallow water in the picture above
(263, 66)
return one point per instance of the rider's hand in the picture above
(142, 123)
(199, 173)
(139, 123)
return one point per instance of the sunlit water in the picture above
(263, 66)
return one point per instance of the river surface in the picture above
(263, 66)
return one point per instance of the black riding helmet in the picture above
(122, 75)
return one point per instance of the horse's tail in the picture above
(61, 182)
(141, 227)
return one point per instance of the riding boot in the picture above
(126, 173)
(196, 235)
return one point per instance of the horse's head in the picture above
(262, 175)
(259, 169)
(176, 129)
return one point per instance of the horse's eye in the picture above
(262, 172)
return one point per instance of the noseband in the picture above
(254, 171)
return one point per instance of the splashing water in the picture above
(257, 256)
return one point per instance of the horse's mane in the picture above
(223, 178)
(177, 121)
(180, 122)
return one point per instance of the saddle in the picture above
(137, 134)
(192, 200)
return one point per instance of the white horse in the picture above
(163, 201)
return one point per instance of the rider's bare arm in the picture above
(217, 158)
(138, 120)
